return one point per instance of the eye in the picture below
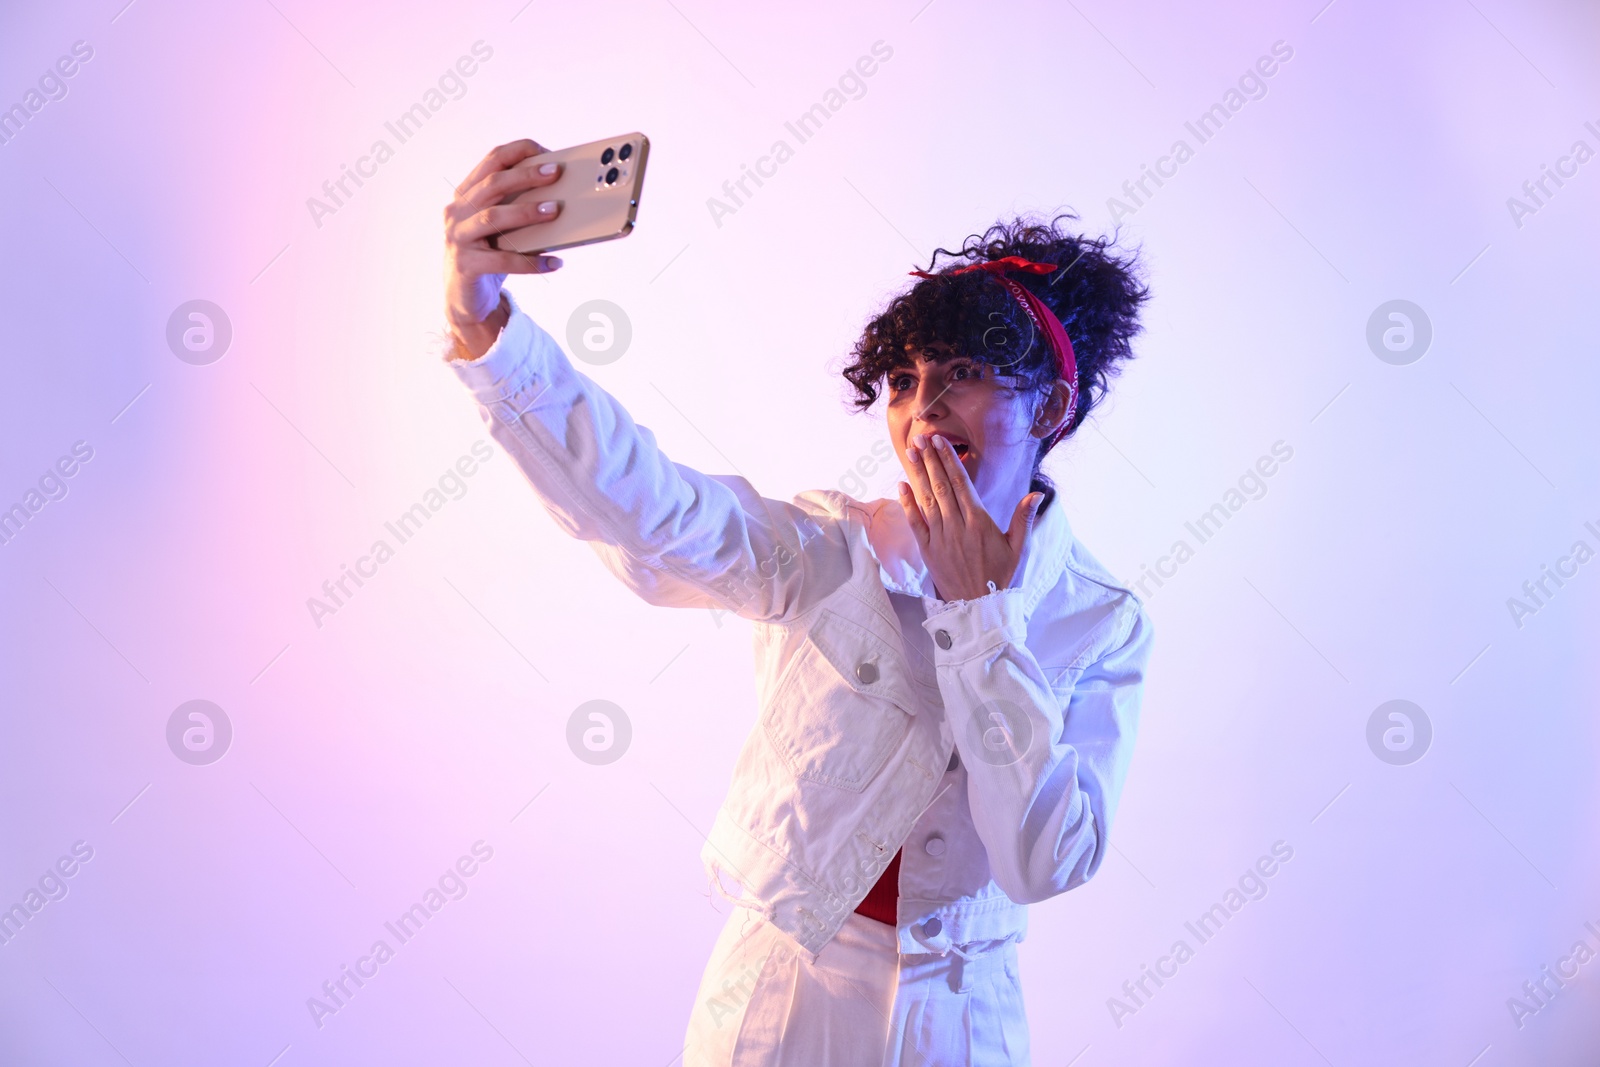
(965, 372)
(898, 381)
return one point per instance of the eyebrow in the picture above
(951, 357)
(952, 360)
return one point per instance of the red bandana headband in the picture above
(1043, 319)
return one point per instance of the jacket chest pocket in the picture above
(842, 705)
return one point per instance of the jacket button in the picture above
(942, 638)
(867, 672)
(934, 846)
(932, 927)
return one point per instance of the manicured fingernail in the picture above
(548, 169)
(548, 207)
(550, 262)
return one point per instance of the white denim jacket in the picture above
(990, 737)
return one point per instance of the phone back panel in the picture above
(592, 209)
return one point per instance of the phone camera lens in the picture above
(611, 176)
(624, 152)
(607, 156)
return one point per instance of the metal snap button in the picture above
(942, 638)
(934, 846)
(932, 927)
(867, 672)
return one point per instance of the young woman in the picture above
(949, 683)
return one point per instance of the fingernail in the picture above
(548, 169)
(551, 262)
(548, 207)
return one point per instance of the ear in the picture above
(1051, 412)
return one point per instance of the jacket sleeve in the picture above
(1044, 771)
(675, 536)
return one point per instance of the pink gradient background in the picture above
(370, 753)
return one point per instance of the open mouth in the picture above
(957, 445)
(960, 447)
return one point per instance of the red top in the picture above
(882, 898)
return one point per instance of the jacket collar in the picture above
(902, 569)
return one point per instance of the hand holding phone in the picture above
(523, 199)
(474, 271)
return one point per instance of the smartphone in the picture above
(598, 190)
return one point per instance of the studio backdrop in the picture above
(294, 665)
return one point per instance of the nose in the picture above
(930, 398)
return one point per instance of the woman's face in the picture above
(991, 425)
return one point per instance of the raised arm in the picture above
(675, 536)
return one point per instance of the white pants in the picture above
(763, 1003)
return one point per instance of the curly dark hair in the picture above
(1096, 293)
